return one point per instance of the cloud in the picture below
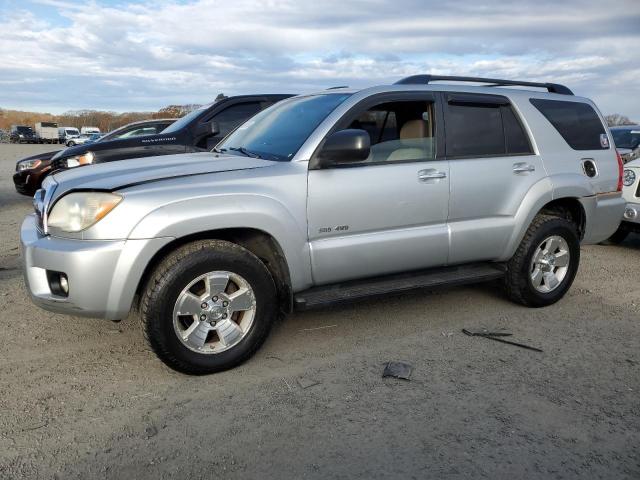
(128, 55)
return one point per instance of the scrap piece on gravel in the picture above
(397, 370)
(307, 382)
(496, 336)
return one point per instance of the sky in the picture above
(133, 55)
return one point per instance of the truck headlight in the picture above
(628, 178)
(76, 161)
(78, 211)
(28, 164)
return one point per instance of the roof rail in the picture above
(337, 87)
(494, 82)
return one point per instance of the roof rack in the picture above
(493, 82)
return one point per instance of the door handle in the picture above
(430, 174)
(523, 168)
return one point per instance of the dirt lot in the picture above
(86, 399)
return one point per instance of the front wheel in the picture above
(71, 144)
(208, 307)
(545, 264)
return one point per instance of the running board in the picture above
(358, 289)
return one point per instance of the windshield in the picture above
(24, 129)
(627, 138)
(72, 131)
(182, 122)
(278, 132)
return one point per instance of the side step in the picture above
(357, 289)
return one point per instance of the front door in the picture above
(389, 213)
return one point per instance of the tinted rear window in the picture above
(483, 127)
(577, 122)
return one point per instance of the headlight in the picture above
(628, 178)
(28, 164)
(84, 159)
(21, 135)
(78, 211)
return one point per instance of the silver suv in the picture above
(329, 197)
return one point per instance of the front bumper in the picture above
(21, 182)
(103, 275)
(604, 214)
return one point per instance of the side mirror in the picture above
(344, 147)
(214, 128)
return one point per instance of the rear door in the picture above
(387, 214)
(492, 168)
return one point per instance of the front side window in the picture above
(577, 122)
(233, 116)
(278, 132)
(399, 131)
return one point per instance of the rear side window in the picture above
(478, 126)
(577, 122)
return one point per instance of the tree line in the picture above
(105, 121)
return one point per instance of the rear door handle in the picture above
(430, 174)
(523, 168)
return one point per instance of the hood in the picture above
(623, 151)
(39, 156)
(123, 173)
(633, 163)
(71, 151)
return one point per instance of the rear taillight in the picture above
(620, 170)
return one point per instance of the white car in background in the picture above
(627, 141)
(631, 193)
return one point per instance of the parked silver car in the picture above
(84, 138)
(330, 197)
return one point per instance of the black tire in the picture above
(618, 237)
(71, 144)
(174, 273)
(518, 284)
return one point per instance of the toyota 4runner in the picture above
(330, 197)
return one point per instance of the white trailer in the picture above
(46, 132)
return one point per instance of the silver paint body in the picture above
(396, 220)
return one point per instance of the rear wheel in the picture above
(208, 307)
(545, 264)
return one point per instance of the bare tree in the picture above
(616, 119)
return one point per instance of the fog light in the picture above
(58, 283)
(64, 284)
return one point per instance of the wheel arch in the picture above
(260, 243)
(542, 198)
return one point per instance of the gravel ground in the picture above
(87, 399)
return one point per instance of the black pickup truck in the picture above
(200, 130)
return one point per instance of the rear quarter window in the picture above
(577, 122)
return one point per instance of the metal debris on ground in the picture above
(317, 328)
(307, 382)
(398, 370)
(483, 332)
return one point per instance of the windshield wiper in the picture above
(218, 150)
(245, 152)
